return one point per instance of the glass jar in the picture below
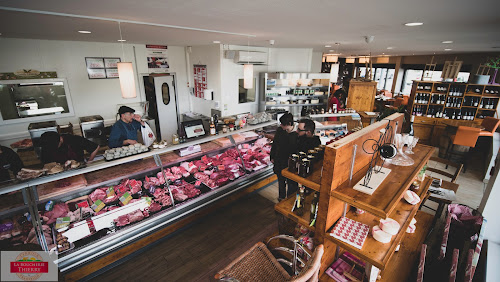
(304, 168)
(292, 163)
(224, 129)
(175, 139)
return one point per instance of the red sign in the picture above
(200, 80)
(157, 46)
(29, 267)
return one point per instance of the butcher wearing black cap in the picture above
(124, 131)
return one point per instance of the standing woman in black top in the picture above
(9, 160)
(284, 144)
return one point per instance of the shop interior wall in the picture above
(279, 59)
(100, 96)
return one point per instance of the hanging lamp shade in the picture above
(334, 73)
(248, 76)
(127, 80)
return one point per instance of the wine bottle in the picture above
(212, 126)
(448, 102)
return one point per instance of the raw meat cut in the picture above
(135, 216)
(122, 220)
(59, 210)
(154, 207)
(98, 194)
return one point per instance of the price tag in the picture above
(125, 198)
(98, 205)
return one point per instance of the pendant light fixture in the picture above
(126, 74)
(248, 70)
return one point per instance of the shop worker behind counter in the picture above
(284, 144)
(307, 140)
(124, 131)
(61, 148)
(9, 160)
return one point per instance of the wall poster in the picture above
(200, 80)
(99, 68)
(157, 58)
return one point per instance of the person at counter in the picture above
(124, 131)
(9, 160)
(284, 144)
(306, 139)
(61, 148)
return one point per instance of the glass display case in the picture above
(85, 213)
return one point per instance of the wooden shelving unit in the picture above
(378, 254)
(285, 208)
(385, 199)
(428, 128)
(313, 181)
(336, 194)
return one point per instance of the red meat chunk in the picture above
(98, 194)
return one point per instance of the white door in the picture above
(166, 100)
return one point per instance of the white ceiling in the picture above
(473, 26)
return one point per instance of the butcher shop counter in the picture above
(122, 205)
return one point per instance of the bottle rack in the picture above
(449, 100)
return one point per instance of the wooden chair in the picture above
(490, 125)
(465, 136)
(450, 185)
(259, 264)
(453, 177)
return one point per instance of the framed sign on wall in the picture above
(101, 68)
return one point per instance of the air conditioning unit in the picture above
(250, 57)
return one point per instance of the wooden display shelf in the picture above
(285, 208)
(374, 252)
(473, 94)
(313, 181)
(384, 200)
(403, 261)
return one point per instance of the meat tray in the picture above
(118, 158)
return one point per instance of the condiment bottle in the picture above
(175, 139)
(299, 201)
(292, 163)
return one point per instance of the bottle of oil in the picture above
(299, 210)
(314, 208)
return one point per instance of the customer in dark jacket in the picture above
(307, 140)
(284, 144)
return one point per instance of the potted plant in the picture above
(494, 63)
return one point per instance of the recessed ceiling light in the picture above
(390, 48)
(328, 46)
(447, 49)
(330, 50)
(383, 53)
(216, 41)
(447, 42)
(84, 31)
(414, 24)
(121, 40)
